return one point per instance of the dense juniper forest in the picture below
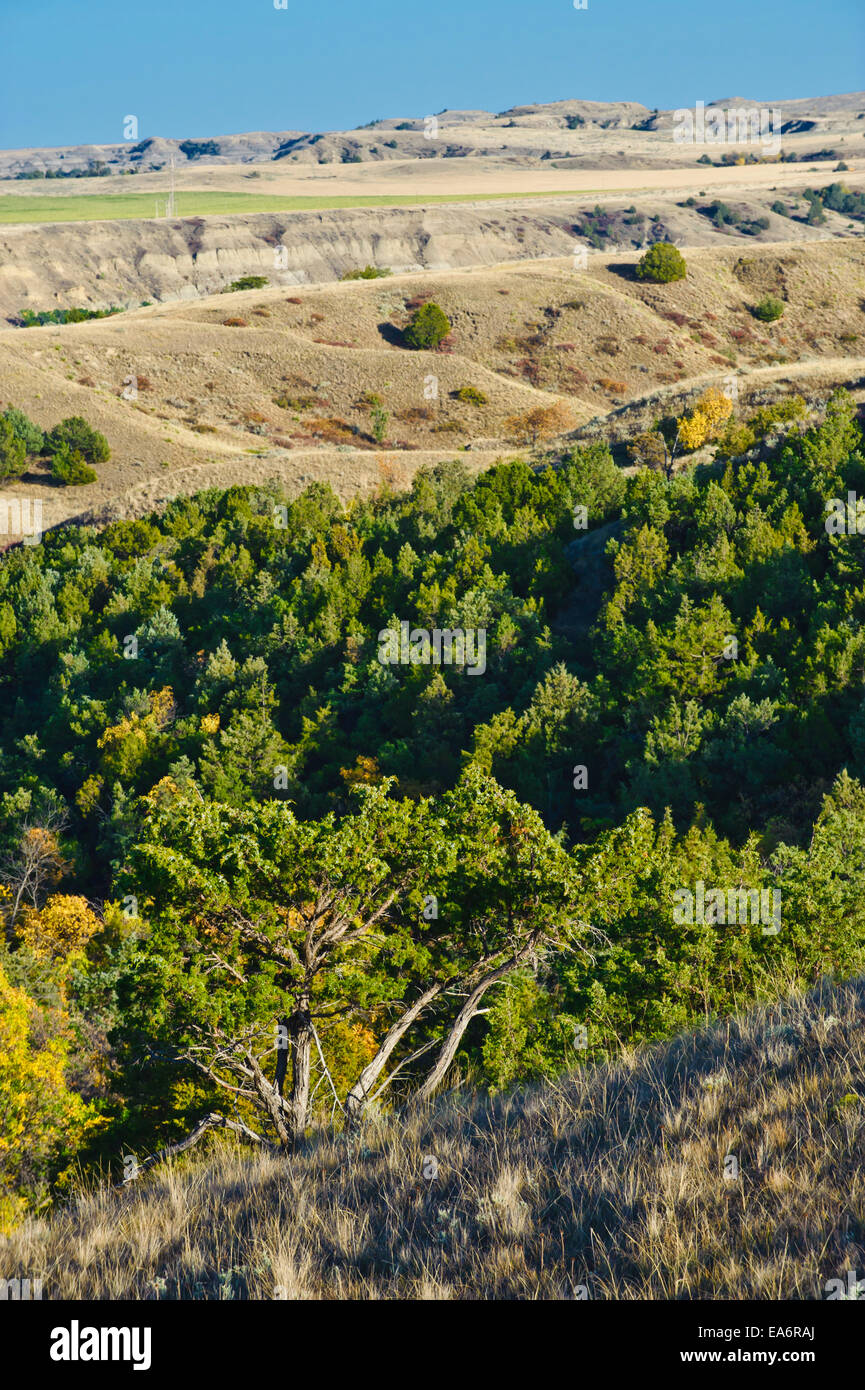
(251, 874)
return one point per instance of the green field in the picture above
(109, 207)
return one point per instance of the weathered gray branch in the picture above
(211, 1121)
(462, 1021)
(357, 1096)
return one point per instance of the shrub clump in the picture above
(80, 437)
(297, 403)
(70, 467)
(541, 422)
(369, 272)
(24, 429)
(28, 319)
(470, 395)
(380, 418)
(662, 263)
(194, 149)
(608, 383)
(428, 326)
(247, 282)
(769, 309)
(13, 455)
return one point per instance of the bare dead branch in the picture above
(211, 1121)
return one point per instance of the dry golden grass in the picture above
(608, 1183)
(286, 396)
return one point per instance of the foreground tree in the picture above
(42, 1119)
(400, 915)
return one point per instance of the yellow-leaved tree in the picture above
(38, 864)
(659, 447)
(61, 929)
(41, 1118)
(706, 420)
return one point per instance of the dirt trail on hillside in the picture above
(357, 472)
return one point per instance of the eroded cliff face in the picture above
(96, 264)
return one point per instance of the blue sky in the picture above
(73, 69)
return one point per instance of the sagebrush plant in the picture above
(614, 1182)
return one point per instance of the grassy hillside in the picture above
(609, 1183)
(260, 384)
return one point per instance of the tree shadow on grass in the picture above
(626, 270)
(392, 334)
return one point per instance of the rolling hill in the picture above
(261, 384)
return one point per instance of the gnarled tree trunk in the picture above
(357, 1096)
(300, 1036)
(459, 1026)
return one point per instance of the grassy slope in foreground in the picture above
(110, 207)
(611, 1178)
